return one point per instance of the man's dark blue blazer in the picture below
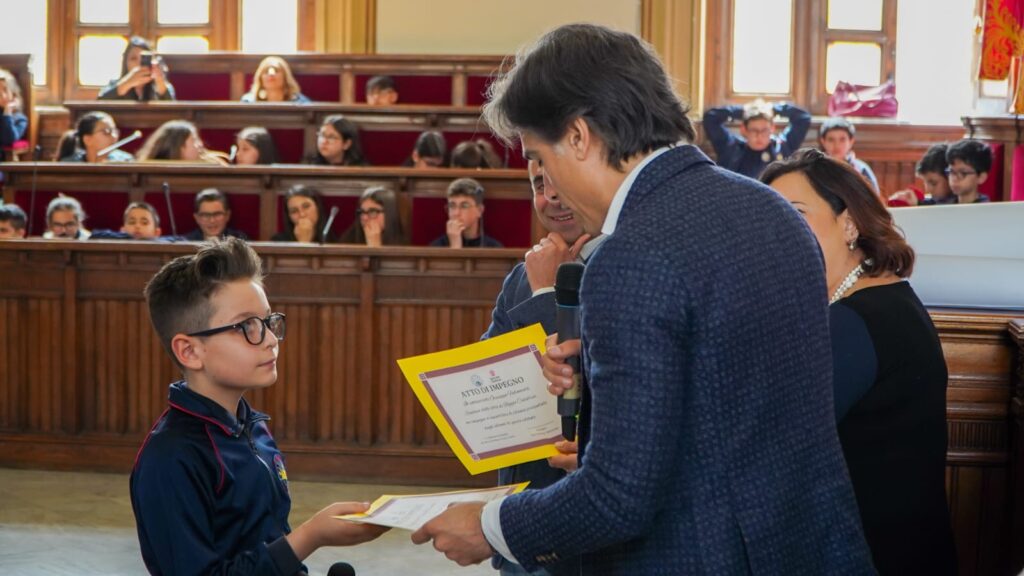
(517, 308)
(708, 436)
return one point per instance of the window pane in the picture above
(99, 59)
(855, 14)
(103, 11)
(183, 44)
(762, 46)
(270, 26)
(28, 36)
(183, 11)
(853, 62)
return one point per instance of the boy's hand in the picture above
(323, 529)
(454, 229)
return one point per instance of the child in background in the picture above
(836, 137)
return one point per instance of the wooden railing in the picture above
(388, 134)
(421, 79)
(256, 194)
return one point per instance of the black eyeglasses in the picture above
(254, 328)
(371, 212)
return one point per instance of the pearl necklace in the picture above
(848, 283)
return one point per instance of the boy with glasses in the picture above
(465, 209)
(969, 163)
(212, 212)
(64, 217)
(757, 145)
(209, 488)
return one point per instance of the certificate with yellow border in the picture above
(413, 511)
(490, 399)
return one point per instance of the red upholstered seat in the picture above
(103, 210)
(387, 148)
(413, 89)
(346, 212)
(505, 219)
(316, 87)
(476, 90)
(993, 186)
(245, 212)
(201, 86)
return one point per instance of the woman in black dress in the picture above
(889, 370)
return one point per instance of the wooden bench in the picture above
(256, 194)
(84, 376)
(388, 134)
(420, 79)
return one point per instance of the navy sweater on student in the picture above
(732, 150)
(210, 492)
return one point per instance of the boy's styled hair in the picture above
(145, 206)
(974, 153)
(467, 187)
(836, 123)
(179, 294)
(380, 83)
(14, 214)
(210, 195)
(934, 160)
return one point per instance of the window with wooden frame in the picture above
(796, 49)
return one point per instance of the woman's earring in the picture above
(852, 245)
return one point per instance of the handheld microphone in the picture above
(567, 322)
(341, 569)
(330, 222)
(36, 153)
(170, 212)
(133, 137)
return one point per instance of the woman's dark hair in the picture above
(348, 131)
(613, 80)
(844, 189)
(133, 42)
(166, 142)
(67, 146)
(475, 154)
(431, 144)
(87, 125)
(321, 216)
(260, 138)
(394, 231)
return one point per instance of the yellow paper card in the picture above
(410, 511)
(489, 399)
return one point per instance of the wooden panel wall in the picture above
(83, 376)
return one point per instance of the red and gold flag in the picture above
(1001, 39)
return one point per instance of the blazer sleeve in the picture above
(799, 124)
(516, 308)
(713, 124)
(636, 362)
(173, 501)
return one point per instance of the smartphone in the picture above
(147, 59)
